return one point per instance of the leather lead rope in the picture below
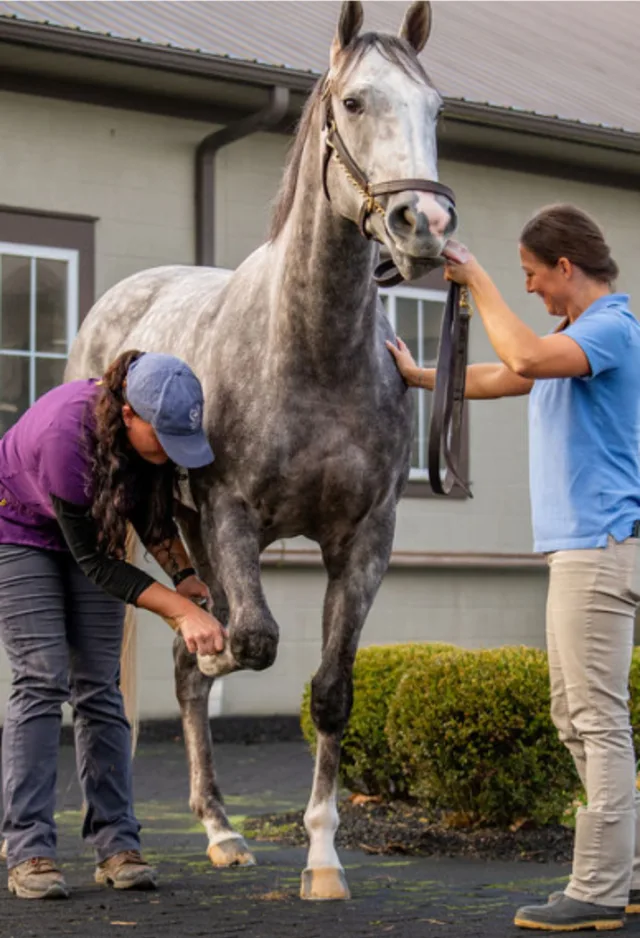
(445, 427)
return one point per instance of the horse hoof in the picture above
(3, 850)
(325, 883)
(217, 665)
(231, 852)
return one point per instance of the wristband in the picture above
(182, 575)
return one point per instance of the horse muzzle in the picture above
(419, 223)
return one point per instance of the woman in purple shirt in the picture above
(87, 459)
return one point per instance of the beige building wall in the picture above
(135, 173)
(132, 171)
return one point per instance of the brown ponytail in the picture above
(123, 483)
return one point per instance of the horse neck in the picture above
(325, 301)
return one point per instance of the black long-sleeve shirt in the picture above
(116, 577)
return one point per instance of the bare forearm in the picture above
(163, 602)
(483, 381)
(513, 341)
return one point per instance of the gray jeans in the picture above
(62, 636)
(593, 595)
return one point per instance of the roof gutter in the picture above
(146, 55)
(265, 118)
(538, 125)
(261, 75)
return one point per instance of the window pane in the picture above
(49, 373)
(51, 306)
(407, 323)
(432, 314)
(14, 389)
(14, 302)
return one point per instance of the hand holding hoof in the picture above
(218, 665)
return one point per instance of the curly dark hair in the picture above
(125, 486)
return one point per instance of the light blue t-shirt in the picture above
(584, 436)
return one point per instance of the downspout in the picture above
(269, 116)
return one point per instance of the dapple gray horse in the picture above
(308, 417)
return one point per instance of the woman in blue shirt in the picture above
(583, 382)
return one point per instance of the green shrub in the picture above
(475, 737)
(367, 764)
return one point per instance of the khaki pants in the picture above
(593, 595)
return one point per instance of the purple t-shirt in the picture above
(48, 451)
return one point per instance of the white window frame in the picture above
(40, 252)
(431, 296)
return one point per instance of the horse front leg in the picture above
(232, 543)
(226, 847)
(354, 574)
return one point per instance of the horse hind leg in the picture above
(226, 846)
(354, 578)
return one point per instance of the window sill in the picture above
(420, 488)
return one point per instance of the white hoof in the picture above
(325, 884)
(217, 665)
(231, 852)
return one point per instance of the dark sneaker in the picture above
(633, 908)
(566, 914)
(38, 878)
(126, 870)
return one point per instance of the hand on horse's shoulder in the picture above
(405, 361)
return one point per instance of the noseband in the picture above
(335, 145)
(447, 413)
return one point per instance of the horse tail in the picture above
(129, 652)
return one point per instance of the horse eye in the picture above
(352, 105)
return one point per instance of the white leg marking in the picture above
(216, 836)
(321, 821)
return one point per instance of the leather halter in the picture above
(445, 428)
(335, 145)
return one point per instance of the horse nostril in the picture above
(402, 220)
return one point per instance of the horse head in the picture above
(380, 118)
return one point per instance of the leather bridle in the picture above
(335, 146)
(447, 412)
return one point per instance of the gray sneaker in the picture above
(633, 907)
(566, 914)
(37, 878)
(126, 870)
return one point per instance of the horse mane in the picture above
(397, 52)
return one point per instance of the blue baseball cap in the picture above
(165, 392)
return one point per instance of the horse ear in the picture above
(416, 25)
(351, 17)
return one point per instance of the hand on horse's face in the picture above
(461, 266)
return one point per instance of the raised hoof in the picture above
(232, 852)
(217, 665)
(324, 884)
